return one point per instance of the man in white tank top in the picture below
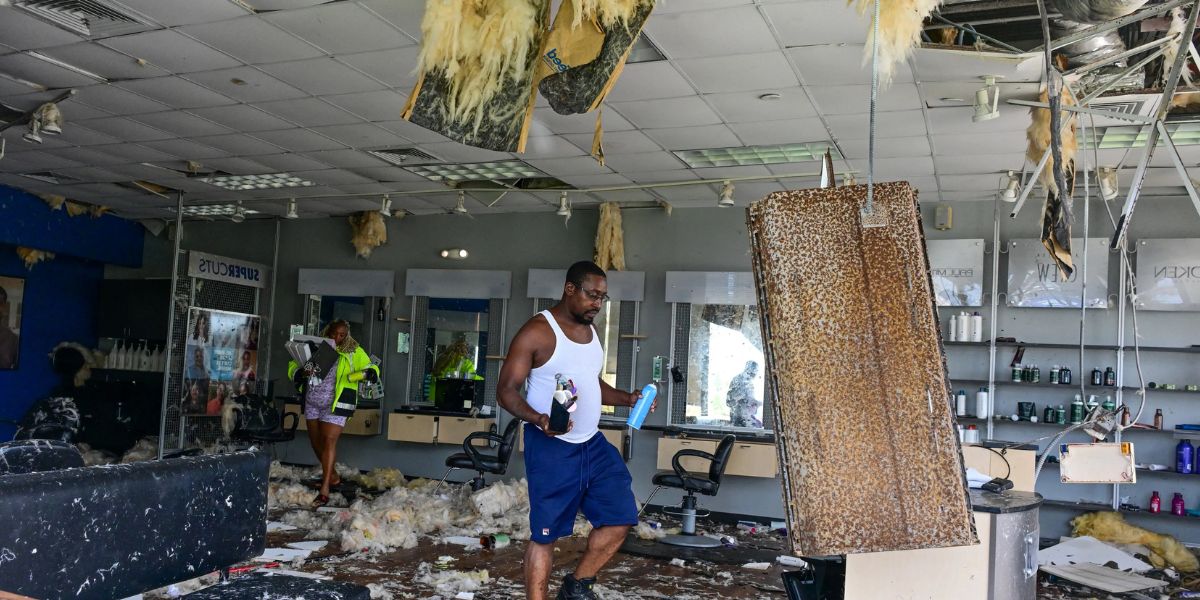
(558, 350)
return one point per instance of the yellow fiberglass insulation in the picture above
(33, 257)
(605, 12)
(610, 238)
(900, 24)
(479, 46)
(368, 232)
(1038, 136)
(1111, 527)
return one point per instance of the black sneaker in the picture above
(577, 589)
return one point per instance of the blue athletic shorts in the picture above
(566, 478)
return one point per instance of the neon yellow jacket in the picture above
(350, 369)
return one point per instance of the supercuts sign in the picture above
(220, 268)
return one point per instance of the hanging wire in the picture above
(870, 207)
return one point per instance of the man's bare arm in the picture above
(514, 372)
(610, 396)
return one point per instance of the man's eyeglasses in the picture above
(593, 296)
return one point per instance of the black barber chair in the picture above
(33, 456)
(258, 422)
(472, 458)
(693, 483)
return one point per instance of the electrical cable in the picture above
(1007, 464)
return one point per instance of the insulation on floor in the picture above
(867, 442)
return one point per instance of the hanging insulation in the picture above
(608, 13)
(610, 238)
(1056, 210)
(900, 25)
(75, 209)
(1111, 527)
(368, 232)
(53, 201)
(33, 257)
(1178, 23)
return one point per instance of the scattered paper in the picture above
(311, 546)
(293, 573)
(465, 596)
(462, 540)
(282, 555)
(757, 566)
(1087, 549)
(330, 509)
(277, 526)
(1103, 578)
(678, 562)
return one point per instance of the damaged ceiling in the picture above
(171, 94)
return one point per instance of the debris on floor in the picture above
(1111, 527)
(1087, 549)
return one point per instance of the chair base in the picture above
(691, 541)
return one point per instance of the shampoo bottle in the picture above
(1183, 457)
(964, 327)
(960, 403)
(981, 403)
(1177, 507)
(1155, 503)
(954, 328)
(976, 327)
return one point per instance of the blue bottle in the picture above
(1184, 457)
(642, 407)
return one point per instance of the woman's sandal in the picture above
(320, 500)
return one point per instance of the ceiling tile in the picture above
(987, 143)
(347, 158)
(856, 99)
(254, 86)
(895, 124)
(392, 174)
(76, 157)
(646, 81)
(720, 32)
(738, 73)
(340, 28)
(173, 14)
(894, 169)
(133, 152)
(405, 16)
(705, 193)
(644, 161)
(21, 31)
(79, 135)
(92, 174)
(127, 129)
(309, 112)
(253, 40)
(575, 165)
(177, 92)
(382, 105)
(886, 147)
(322, 76)
(958, 120)
(586, 181)
(745, 107)
(363, 135)
(839, 65)
(171, 50)
(181, 123)
(115, 100)
(299, 140)
(186, 149)
(461, 153)
(104, 62)
(243, 118)
(237, 166)
(790, 131)
(971, 183)
(332, 177)
(413, 132)
(617, 142)
(555, 146)
(663, 176)
(981, 163)
(287, 163)
(238, 144)
(553, 122)
(40, 72)
(967, 64)
(693, 138)
(393, 67)
(669, 112)
(839, 22)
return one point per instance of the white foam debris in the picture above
(378, 591)
(678, 562)
(757, 566)
(383, 478)
(645, 531)
(145, 449)
(452, 582)
(93, 457)
(498, 499)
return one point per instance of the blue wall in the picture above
(60, 294)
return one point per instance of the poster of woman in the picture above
(221, 363)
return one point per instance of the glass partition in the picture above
(455, 351)
(718, 354)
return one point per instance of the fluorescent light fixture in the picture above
(1108, 183)
(454, 253)
(257, 182)
(987, 101)
(1183, 133)
(848, 179)
(291, 210)
(564, 206)
(385, 207)
(216, 210)
(726, 198)
(70, 67)
(484, 171)
(1012, 188)
(756, 155)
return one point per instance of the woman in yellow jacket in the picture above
(329, 403)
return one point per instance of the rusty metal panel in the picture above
(867, 442)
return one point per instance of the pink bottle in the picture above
(1177, 505)
(1155, 503)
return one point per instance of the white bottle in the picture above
(977, 327)
(144, 357)
(110, 360)
(960, 403)
(981, 403)
(122, 355)
(954, 328)
(964, 327)
(156, 360)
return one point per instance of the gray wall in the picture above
(701, 239)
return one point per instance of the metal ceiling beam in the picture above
(1088, 111)
(981, 36)
(1107, 26)
(1179, 166)
(1113, 81)
(1123, 55)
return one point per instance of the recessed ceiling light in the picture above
(503, 169)
(266, 181)
(770, 97)
(756, 155)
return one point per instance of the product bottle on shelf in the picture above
(964, 327)
(1054, 374)
(1097, 376)
(1158, 418)
(1155, 503)
(981, 402)
(1035, 374)
(110, 360)
(1124, 415)
(960, 403)
(144, 357)
(1177, 507)
(1077, 410)
(1018, 373)
(976, 327)
(954, 328)
(1064, 376)
(1184, 454)
(1060, 415)
(1110, 377)
(1108, 403)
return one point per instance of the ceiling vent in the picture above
(90, 18)
(1138, 105)
(405, 157)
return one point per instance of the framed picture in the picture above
(220, 360)
(12, 293)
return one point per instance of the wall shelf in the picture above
(1095, 506)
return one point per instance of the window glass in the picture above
(455, 353)
(726, 367)
(608, 325)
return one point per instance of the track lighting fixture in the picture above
(239, 213)
(848, 179)
(385, 208)
(564, 206)
(726, 198)
(1108, 183)
(1011, 189)
(461, 207)
(987, 101)
(291, 210)
(46, 119)
(454, 253)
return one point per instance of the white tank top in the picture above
(581, 365)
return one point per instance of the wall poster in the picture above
(1034, 281)
(1168, 274)
(12, 291)
(956, 269)
(220, 360)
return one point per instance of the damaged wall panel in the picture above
(869, 454)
